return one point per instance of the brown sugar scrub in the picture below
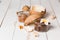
(21, 27)
(25, 8)
(21, 16)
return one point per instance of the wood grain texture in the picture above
(4, 6)
(7, 28)
(53, 33)
(21, 35)
(56, 7)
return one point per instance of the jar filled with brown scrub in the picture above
(41, 26)
(21, 16)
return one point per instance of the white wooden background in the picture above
(8, 17)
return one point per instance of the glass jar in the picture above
(22, 16)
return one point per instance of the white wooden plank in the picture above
(23, 3)
(35, 2)
(18, 35)
(8, 27)
(53, 33)
(10, 17)
(55, 4)
(56, 34)
(3, 8)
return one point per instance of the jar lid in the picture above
(23, 12)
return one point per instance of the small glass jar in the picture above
(41, 27)
(22, 16)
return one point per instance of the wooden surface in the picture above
(8, 19)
